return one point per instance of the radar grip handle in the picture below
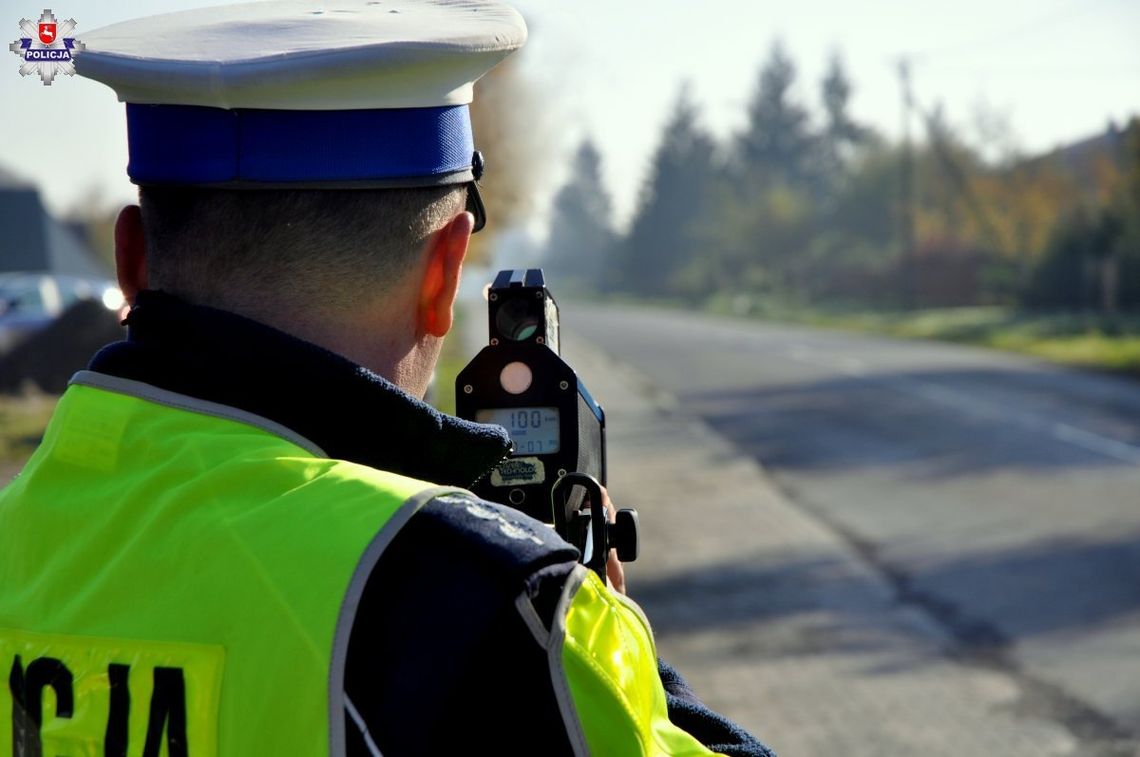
(580, 526)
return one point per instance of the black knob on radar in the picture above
(623, 535)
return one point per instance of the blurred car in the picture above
(30, 301)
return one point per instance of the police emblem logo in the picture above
(47, 49)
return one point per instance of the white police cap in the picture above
(287, 93)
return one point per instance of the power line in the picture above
(1065, 71)
(1002, 36)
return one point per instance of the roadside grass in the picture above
(1093, 340)
(23, 419)
(1095, 349)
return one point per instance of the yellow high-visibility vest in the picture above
(180, 577)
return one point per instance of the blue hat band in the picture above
(189, 144)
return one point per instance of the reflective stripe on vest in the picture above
(178, 577)
(603, 664)
(611, 665)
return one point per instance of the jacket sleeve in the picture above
(478, 628)
(715, 731)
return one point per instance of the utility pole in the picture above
(906, 190)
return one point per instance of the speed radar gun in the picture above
(558, 432)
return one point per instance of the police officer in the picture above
(243, 533)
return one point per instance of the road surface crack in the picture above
(978, 643)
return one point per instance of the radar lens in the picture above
(517, 321)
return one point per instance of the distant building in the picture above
(1083, 160)
(32, 240)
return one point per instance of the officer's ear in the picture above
(445, 252)
(130, 252)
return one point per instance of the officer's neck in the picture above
(382, 336)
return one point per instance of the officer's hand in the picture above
(614, 571)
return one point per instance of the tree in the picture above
(776, 144)
(581, 235)
(661, 239)
(836, 90)
(765, 206)
(1092, 259)
(1128, 200)
(841, 135)
(1066, 275)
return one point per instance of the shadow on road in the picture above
(1015, 594)
(938, 424)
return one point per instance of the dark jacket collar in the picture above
(350, 412)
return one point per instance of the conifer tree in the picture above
(581, 232)
(776, 144)
(660, 241)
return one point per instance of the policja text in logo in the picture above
(47, 49)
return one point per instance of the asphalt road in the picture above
(998, 494)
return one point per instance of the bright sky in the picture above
(1057, 70)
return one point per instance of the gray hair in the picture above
(259, 250)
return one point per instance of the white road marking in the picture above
(1104, 445)
(1089, 441)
